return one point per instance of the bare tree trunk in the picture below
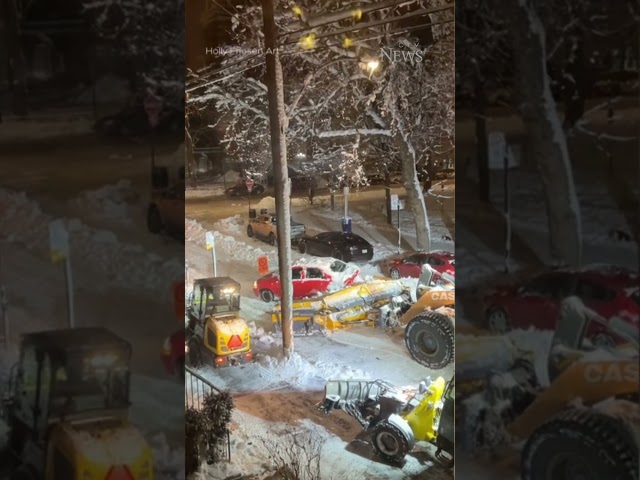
(542, 122)
(482, 144)
(282, 183)
(387, 195)
(414, 191)
(16, 61)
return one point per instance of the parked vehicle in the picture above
(173, 351)
(309, 279)
(264, 228)
(343, 246)
(410, 265)
(535, 302)
(241, 190)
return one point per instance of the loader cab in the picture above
(65, 376)
(214, 296)
(430, 278)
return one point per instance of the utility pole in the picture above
(282, 184)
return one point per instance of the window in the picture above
(552, 286)
(435, 261)
(592, 292)
(412, 260)
(338, 266)
(314, 273)
(296, 273)
(325, 236)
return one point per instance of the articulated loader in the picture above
(428, 324)
(397, 419)
(216, 335)
(66, 407)
(583, 421)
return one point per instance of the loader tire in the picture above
(196, 359)
(430, 339)
(580, 443)
(389, 442)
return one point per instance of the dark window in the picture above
(413, 260)
(325, 236)
(62, 467)
(435, 261)
(592, 292)
(296, 273)
(549, 286)
(338, 266)
(314, 273)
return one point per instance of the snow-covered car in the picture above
(309, 279)
(536, 301)
(241, 190)
(410, 266)
(348, 247)
(264, 228)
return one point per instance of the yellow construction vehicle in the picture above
(428, 324)
(398, 418)
(216, 334)
(578, 419)
(66, 408)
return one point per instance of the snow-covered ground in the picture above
(104, 266)
(275, 395)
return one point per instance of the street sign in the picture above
(249, 184)
(396, 203)
(263, 265)
(153, 107)
(58, 241)
(208, 238)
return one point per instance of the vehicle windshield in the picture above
(91, 382)
(219, 301)
(338, 266)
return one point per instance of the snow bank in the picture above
(226, 245)
(168, 462)
(112, 202)
(96, 253)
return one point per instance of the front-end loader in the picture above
(582, 421)
(395, 418)
(66, 408)
(216, 334)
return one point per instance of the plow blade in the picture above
(355, 390)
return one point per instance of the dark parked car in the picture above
(240, 190)
(343, 246)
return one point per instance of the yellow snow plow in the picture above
(379, 302)
(582, 406)
(398, 418)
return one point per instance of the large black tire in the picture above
(584, 444)
(250, 231)
(389, 442)
(430, 339)
(258, 189)
(267, 295)
(302, 247)
(196, 355)
(337, 254)
(154, 220)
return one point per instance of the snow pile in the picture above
(97, 253)
(111, 202)
(168, 462)
(231, 225)
(227, 246)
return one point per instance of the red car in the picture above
(309, 279)
(411, 265)
(536, 303)
(173, 354)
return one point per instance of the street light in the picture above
(372, 66)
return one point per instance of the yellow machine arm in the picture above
(353, 305)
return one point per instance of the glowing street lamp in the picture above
(372, 66)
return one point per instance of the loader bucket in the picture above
(354, 390)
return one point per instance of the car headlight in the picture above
(166, 346)
(255, 284)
